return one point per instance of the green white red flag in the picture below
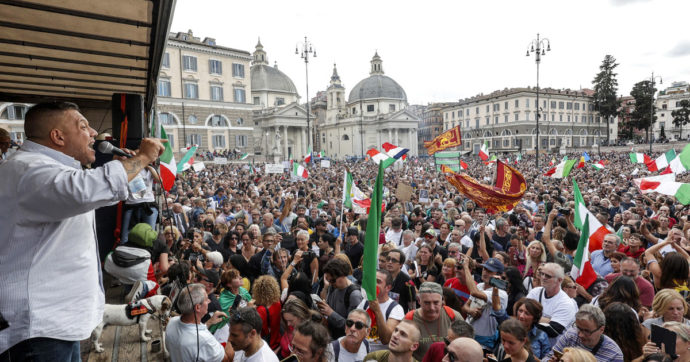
(168, 168)
(371, 239)
(596, 230)
(662, 161)
(582, 271)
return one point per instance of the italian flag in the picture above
(595, 230)
(168, 168)
(553, 162)
(395, 151)
(484, 151)
(380, 158)
(599, 165)
(679, 190)
(681, 163)
(307, 158)
(353, 198)
(244, 156)
(299, 170)
(518, 158)
(491, 161)
(562, 170)
(662, 161)
(187, 161)
(639, 158)
(371, 240)
(582, 271)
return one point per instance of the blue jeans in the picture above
(43, 350)
(140, 215)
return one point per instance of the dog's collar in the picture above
(149, 305)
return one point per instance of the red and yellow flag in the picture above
(503, 196)
(447, 139)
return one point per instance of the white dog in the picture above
(117, 314)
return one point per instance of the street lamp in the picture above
(306, 51)
(536, 46)
(651, 111)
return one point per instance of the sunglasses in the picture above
(391, 260)
(358, 325)
(451, 356)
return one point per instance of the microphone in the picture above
(107, 148)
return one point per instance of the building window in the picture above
(241, 141)
(215, 66)
(194, 139)
(14, 112)
(487, 108)
(506, 143)
(240, 121)
(517, 116)
(568, 118)
(191, 90)
(257, 101)
(166, 119)
(476, 110)
(280, 101)
(553, 117)
(577, 106)
(561, 105)
(517, 103)
(216, 93)
(171, 140)
(370, 107)
(218, 141)
(505, 118)
(166, 60)
(217, 121)
(354, 110)
(391, 108)
(553, 104)
(476, 123)
(569, 105)
(164, 88)
(192, 119)
(467, 112)
(238, 70)
(239, 95)
(560, 118)
(664, 106)
(496, 120)
(189, 63)
(505, 105)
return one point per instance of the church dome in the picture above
(377, 85)
(267, 78)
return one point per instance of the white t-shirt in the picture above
(346, 356)
(264, 354)
(397, 313)
(560, 308)
(410, 251)
(180, 340)
(394, 237)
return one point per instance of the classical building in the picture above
(202, 95)
(374, 112)
(507, 120)
(281, 122)
(12, 119)
(667, 101)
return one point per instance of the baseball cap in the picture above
(211, 275)
(430, 232)
(430, 287)
(494, 265)
(143, 234)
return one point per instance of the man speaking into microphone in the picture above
(51, 292)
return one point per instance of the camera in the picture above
(564, 211)
(308, 254)
(498, 283)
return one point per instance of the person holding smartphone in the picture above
(481, 303)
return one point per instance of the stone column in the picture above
(378, 137)
(390, 136)
(285, 142)
(413, 149)
(397, 140)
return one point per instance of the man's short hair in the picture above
(249, 318)
(186, 303)
(462, 328)
(389, 276)
(558, 271)
(361, 312)
(592, 313)
(396, 222)
(337, 268)
(402, 255)
(318, 333)
(39, 113)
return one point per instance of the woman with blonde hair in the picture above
(572, 354)
(668, 306)
(266, 295)
(536, 255)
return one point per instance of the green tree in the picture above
(605, 90)
(642, 118)
(681, 116)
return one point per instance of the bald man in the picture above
(464, 349)
(51, 289)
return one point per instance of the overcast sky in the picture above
(441, 51)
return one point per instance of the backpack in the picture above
(267, 337)
(336, 348)
(348, 291)
(388, 310)
(449, 311)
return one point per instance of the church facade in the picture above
(373, 113)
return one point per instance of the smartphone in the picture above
(667, 337)
(498, 283)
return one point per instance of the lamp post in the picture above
(306, 52)
(651, 111)
(536, 46)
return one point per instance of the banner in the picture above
(507, 192)
(669, 177)
(404, 192)
(447, 139)
(274, 168)
(325, 163)
(220, 160)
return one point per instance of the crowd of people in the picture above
(280, 260)
(266, 267)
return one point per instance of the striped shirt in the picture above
(607, 352)
(51, 275)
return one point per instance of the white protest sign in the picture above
(220, 160)
(274, 168)
(325, 163)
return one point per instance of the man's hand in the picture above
(324, 308)
(216, 318)
(375, 306)
(298, 257)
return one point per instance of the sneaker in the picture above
(135, 293)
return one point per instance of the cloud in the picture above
(681, 49)
(626, 2)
